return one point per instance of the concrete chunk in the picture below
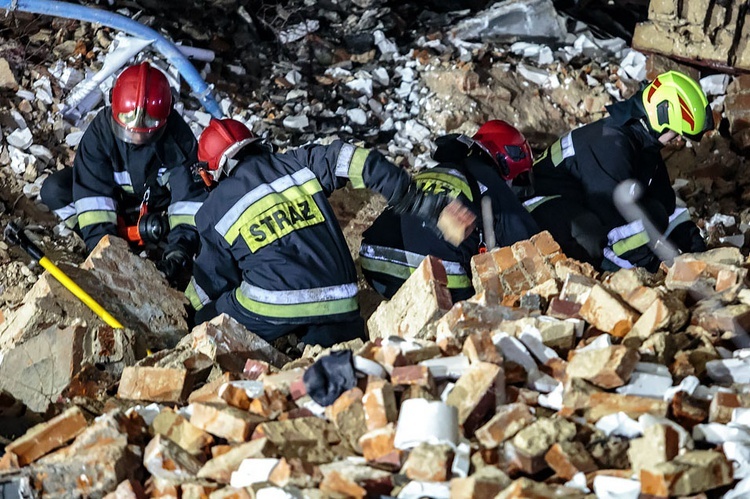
(608, 367)
(165, 459)
(508, 421)
(154, 384)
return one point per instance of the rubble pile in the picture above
(551, 381)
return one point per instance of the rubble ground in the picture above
(552, 381)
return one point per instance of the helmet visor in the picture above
(137, 136)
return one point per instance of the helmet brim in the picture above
(708, 124)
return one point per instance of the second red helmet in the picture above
(507, 146)
(220, 141)
(141, 103)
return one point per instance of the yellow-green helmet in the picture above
(676, 102)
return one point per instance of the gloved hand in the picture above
(175, 266)
(687, 237)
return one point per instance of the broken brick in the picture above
(607, 367)
(569, 458)
(46, 437)
(224, 421)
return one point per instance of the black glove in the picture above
(175, 266)
(422, 205)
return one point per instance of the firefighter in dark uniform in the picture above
(133, 167)
(468, 169)
(272, 253)
(575, 178)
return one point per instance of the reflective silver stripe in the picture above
(610, 255)
(483, 188)
(344, 160)
(278, 185)
(200, 292)
(183, 208)
(624, 232)
(533, 200)
(403, 257)
(66, 211)
(568, 151)
(161, 178)
(679, 216)
(633, 228)
(123, 178)
(297, 296)
(93, 203)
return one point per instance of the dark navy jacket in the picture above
(271, 246)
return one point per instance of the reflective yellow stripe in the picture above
(399, 271)
(357, 166)
(175, 220)
(454, 184)
(71, 222)
(192, 295)
(309, 188)
(556, 152)
(295, 310)
(128, 188)
(630, 243)
(96, 217)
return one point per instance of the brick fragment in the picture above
(224, 421)
(422, 299)
(379, 404)
(485, 482)
(46, 437)
(569, 458)
(348, 415)
(507, 421)
(127, 489)
(524, 488)
(378, 442)
(479, 347)
(721, 407)
(307, 438)
(167, 460)
(529, 446)
(413, 375)
(178, 429)
(210, 391)
(335, 483)
(220, 467)
(608, 367)
(689, 411)
(659, 444)
(154, 384)
(476, 393)
(607, 313)
(429, 463)
(690, 473)
(601, 404)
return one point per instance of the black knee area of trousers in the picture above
(384, 284)
(57, 189)
(330, 333)
(568, 222)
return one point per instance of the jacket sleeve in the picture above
(336, 163)
(94, 188)
(187, 194)
(215, 272)
(512, 222)
(339, 162)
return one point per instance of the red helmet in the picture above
(220, 141)
(141, 103)
(507, 146)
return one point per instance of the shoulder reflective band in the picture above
(351, 163)
(401, 264)
(561, 149)
(95, 210)
(183, 212)
(296, 303)
(431, 181)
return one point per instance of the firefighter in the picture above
(272, 253)
(468, 169)
(131, 175)
(575, 178)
